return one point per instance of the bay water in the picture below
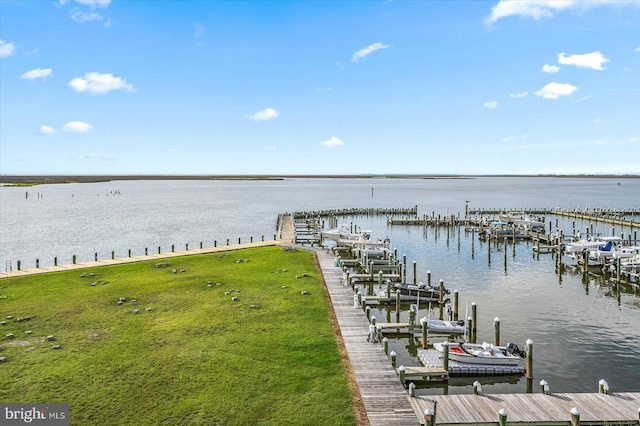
(584, 327)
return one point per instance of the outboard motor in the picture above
(513, 349)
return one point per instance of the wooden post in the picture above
(415, 275)
(425, 332)
(393, 356)
(603, 386)
(37, 263)
(146, 251)
(575, 417)
(428, 278)
(455, 305)
(529, 360)
(441, 295)
(55, 261)
(388, 289)
(380, 278)
(474, 321)
(544, 387)
(496, 331)
(95, 256)
(186, 247)
(129, 252)
(505, 251)
(404, 268)
(173, 248)
(20, 263)
(200, 245)
(445, 356)
(477, 388)
(238, 240)
(412, 389)
(397, 302)
(158, 249)
(428, 417)
(385, 345)
(502, 417)
(73, 259)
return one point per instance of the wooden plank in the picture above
(531, 409)
(385, 398)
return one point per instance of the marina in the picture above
(520, 281)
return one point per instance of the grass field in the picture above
(196, 357)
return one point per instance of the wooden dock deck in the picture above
(385, 398)
(531, 409)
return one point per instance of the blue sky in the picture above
(319, 87)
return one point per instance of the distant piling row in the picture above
(96, 257)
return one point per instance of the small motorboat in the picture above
(422, 288)
(485, 353)
(444, 326)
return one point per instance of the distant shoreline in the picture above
(30, 180)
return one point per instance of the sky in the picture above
(319, 87)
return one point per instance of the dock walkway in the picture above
(385, 398)
(531, 408)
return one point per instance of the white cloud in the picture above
(555, 90)
(46, 130)
(490, 105)
(551, 69)
(333, 141)
(593, 60)
(633, 140)
(6, 48)
(77, 127)
(539, 9)
(264, 115)
(82, 17)
(367, 51)
(535, 9)
(91, 3)
(637, 49)
(519, 95)
(98, 83)
(37, 73)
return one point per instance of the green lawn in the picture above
(196, 357)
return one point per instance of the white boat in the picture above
(573, 253)
(444, 326)
(343, 232)
(498, 229)
(485, 353)
(371, 252)
(590, 244)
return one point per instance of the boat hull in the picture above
(470, 353)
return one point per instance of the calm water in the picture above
(584, 328)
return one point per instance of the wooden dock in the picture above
(385, 398)
(531, 409)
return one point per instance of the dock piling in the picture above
(603, 386)
(575, 417)
(502, 417)
(529, 360)
(496, 331)
(544, 387)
